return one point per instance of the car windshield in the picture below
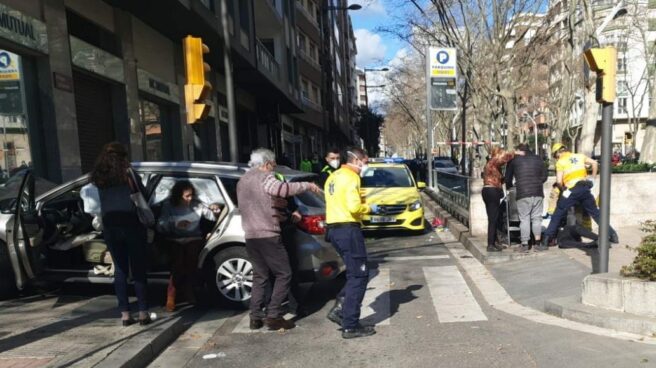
(443, 164)
(387, 177)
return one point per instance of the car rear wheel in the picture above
(7, 281)
(231, 277)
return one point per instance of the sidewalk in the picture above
(52, 330)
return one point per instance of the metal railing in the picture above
(266, 60)
(453, 194)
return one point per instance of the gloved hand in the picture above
(374, 208)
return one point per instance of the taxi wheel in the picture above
(230, 277)
(7, 283)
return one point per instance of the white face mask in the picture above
(334, 164)
(363, 169)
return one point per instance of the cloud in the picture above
(371, 49)
(370, 8)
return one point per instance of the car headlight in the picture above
(415, 205)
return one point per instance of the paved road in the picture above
(429, 312)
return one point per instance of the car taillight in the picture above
(315, 225)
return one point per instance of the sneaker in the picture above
(256, 324)
(275, 324)
(543, 245)
(335, 315)
(360, 331)
(524, 248)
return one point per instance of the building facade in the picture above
(76, 74)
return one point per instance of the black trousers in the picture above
(268, 256)
(492, 198)
(127, 245)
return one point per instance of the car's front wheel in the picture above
(7, 281)
(231, 276)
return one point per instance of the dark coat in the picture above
(529, 174)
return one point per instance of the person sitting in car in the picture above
(180, 223)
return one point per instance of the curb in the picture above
(572, 309)
(475, 246)
(142, 348)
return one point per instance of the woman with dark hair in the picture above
(180, 223)
(123, 232)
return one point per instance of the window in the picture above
(244, 17)
(305, 88)
(207, 190)
(386, 177)
(92, 33)
(209, 4)
(621, 105)
(316, 97)
(621, 64)
(622, 87)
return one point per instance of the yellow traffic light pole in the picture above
(603, 61)
(196, 90)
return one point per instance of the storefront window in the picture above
(15, 152)
(151, 121)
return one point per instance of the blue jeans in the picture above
(349, 243)
(580, 194)
(127, 245)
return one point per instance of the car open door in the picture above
(24, 232)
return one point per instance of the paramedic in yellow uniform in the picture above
(344, 210)
(572, 179)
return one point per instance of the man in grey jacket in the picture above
(258, 194)
(529, 173)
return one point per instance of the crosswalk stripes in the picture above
(450, 295)
(452, 298)
(376, 303)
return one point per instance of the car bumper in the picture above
(408, 220)
(316, 259)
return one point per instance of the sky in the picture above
(375, 49)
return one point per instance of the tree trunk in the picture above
(648, 152)
(589, 123)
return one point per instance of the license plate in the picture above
(382, 219)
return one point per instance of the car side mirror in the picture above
(421, 185)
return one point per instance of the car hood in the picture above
(390, 195)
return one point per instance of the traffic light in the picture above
(603, 61)
(197, 89)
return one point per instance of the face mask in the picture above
(334, 164)
(363, 169)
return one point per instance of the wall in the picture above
(632, 201)
(153, 51)
(94, 10)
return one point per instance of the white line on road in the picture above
(376, 303)
(409, 258)
(498, 298)
(452, 298)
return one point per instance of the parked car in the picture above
(394, 190)
(446, 167)
(49, 236)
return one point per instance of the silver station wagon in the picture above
(49, 236)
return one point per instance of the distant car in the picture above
(49, 236)
(392, 187)
(445, 167)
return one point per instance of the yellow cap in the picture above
(556, 147)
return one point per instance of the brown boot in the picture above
(275, 324)
(170, 296)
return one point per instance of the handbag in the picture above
(145, 214)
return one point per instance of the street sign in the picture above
(9, 66)
(443, 74)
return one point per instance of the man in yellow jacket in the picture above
(344, 210)
(572, 178)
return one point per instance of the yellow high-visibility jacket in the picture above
(343, 200)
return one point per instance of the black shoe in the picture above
(360, 331)
(145, 321)
(493, 248)
(335, 315)
(128, 322)
(543, 245)
(256, 324)
(613, 238)
(275, 324)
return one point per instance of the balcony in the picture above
(307, 103)
(266, 62)
(309, 60)
(306, 14)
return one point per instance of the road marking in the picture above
(497, 297)
(409, 258)
(243, 325)
(452, 298)
(376, 303)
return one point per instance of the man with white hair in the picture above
(257, 191)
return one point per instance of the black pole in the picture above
(606, 148)
(463, 133)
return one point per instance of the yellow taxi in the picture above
(392, 187)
